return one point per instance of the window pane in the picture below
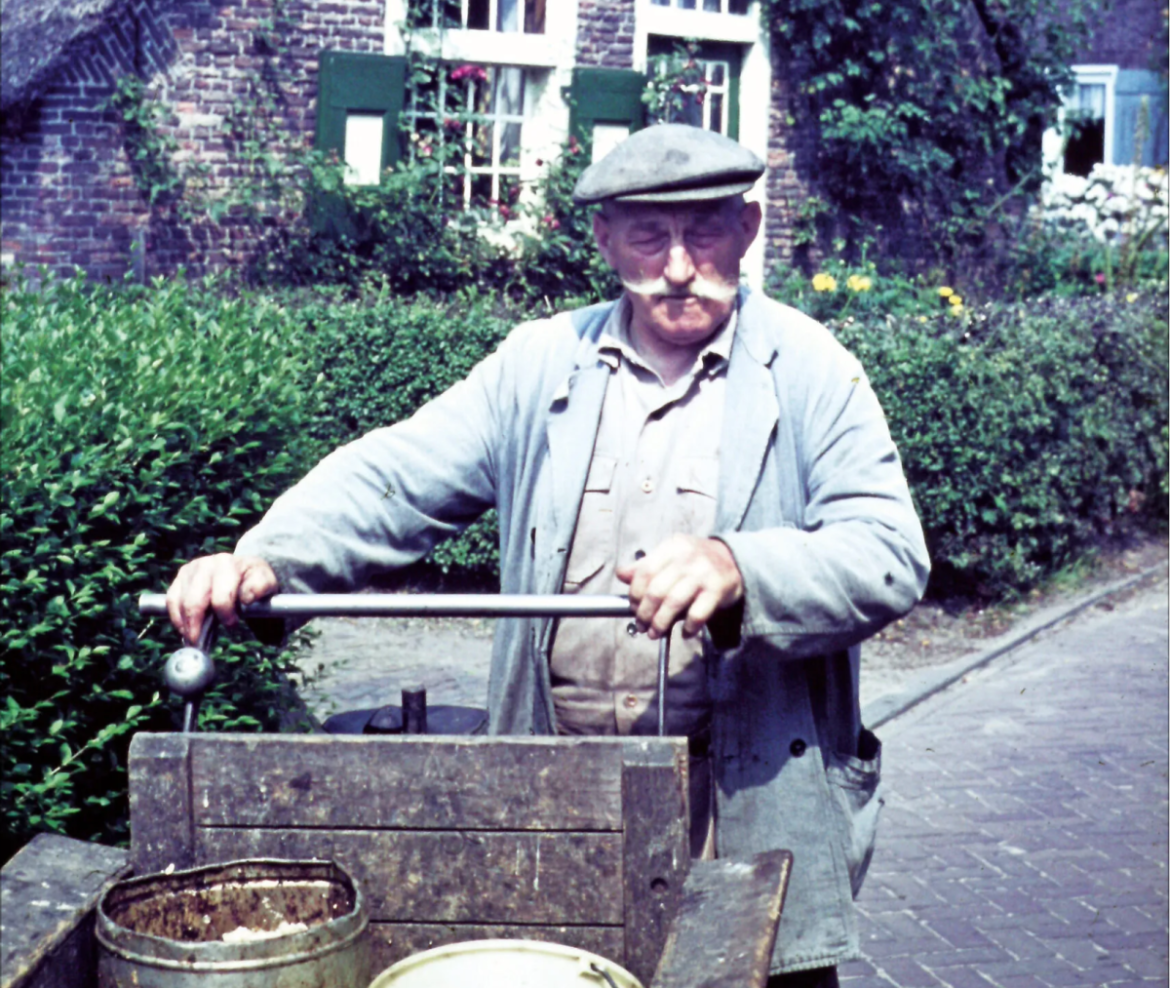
(481, 189)
(686, 4)
(363, 148)
(716, 73)
(534, 16)
(1090, 101)
(481, 145)
(660, 3)
(738, 6)
(508, 16)
(450, 13)
(716, 100)
(478, 12)
(711, 5)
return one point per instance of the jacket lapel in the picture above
(750, 415)
(573, 419)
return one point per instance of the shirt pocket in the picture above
(698, 488)
(593, 539)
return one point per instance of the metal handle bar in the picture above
(310, 605)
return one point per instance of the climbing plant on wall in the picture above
(925, 116)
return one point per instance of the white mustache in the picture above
(699, 287)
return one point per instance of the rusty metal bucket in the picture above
(242, 924)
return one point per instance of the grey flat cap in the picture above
(670, 163)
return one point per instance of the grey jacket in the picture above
(812, 503)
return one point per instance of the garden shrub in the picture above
(1028, 431)
(141, 427)
(375, 360)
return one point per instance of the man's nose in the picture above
(680, 269)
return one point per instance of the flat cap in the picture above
(670, 163)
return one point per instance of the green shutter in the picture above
(606, 96)
(352, 82)
(1134, 86)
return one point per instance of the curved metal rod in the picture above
(309, 605)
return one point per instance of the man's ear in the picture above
(750, 218)
(601, 232)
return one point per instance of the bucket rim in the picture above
(517, 945)
(158, 951)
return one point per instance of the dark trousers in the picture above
(821, 977)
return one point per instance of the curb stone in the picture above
(926, 684)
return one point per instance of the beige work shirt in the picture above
(654, 473)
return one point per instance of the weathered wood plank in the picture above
(441, 783)
(160, 802)
(391, 942)
(454, 876)
(656, 848)
(48, 891)
(725, 927)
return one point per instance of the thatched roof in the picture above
(34, 34)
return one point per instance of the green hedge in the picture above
(140, 428)
(1029, 431)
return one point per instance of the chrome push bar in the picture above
(442, 605)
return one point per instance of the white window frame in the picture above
(724, 7)
(1083, 75)
(497, 120)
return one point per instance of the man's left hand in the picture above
(684, 575)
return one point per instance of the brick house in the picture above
(1121, 68)
(72, 194)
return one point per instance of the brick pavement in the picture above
(1024, 840)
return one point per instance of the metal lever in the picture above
(196, 667)
(663, 672)
(190, 670)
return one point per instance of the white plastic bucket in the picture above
(506, 964)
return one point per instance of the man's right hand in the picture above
(217, 583)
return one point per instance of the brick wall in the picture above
(68, 193)
(790, 163)
(605, 33)
(1129, 34)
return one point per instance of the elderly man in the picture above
(720, 456)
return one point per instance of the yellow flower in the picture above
(859, 283)
(824, 283)
(922, 319)
(1131, 297)
(946, 292)
(956, 309)
(956, 301)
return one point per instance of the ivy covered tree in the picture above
(924, 116)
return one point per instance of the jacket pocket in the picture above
(855, 781)
(594, 536)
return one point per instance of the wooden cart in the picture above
(577, 841)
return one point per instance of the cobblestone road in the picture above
(1024, 842)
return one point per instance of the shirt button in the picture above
(648, 486)
(798, 748)
(630, 701)
(632, 629)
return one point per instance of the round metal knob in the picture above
(189, 672)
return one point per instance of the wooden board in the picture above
(160, 799)
(725, 928)
(48, 891)
(440, 783)
(576, 840)
(454, 876)
(656, 852)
